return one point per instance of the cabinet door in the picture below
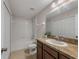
(62, 57)
(47, 56)
(50, 51)
(39, 52)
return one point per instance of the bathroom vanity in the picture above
(47, 51)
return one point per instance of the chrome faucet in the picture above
(57, 37)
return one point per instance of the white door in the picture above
(5, 31)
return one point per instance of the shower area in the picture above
(23, 43)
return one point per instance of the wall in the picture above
(64, 24)
(21, 33)
(5, 31)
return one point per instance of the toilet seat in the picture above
(32, 45)
(32, 48)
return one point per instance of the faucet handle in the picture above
(62, 38)
(57, 37)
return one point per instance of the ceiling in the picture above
(71, 6)
(27, 8)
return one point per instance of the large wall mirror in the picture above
(63, 22)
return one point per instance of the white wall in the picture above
(21, 33)
(5, 31)
(64, 24)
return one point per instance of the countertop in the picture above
(70, 50)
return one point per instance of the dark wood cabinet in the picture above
(47, 56)
(61, 56)
(45, 52)
(39, 54)
(39, 51)
(51, 52)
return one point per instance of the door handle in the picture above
(3, 50)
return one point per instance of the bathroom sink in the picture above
(57, 43)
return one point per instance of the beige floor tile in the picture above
(22, 55)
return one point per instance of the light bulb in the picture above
(53, 4)
(60, 1)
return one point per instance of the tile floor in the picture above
(22, 55)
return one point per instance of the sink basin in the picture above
(55, 42)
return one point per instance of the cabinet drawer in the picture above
(39, 44)
(50, 51)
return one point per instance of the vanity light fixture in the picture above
(53, 4)
(58, 6)
(43, 23)
(67, 2)
(60, 1)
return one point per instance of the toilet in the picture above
(32, 48)
(30, 53)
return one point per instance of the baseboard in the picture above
(18, 50)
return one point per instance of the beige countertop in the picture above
(70, 50)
